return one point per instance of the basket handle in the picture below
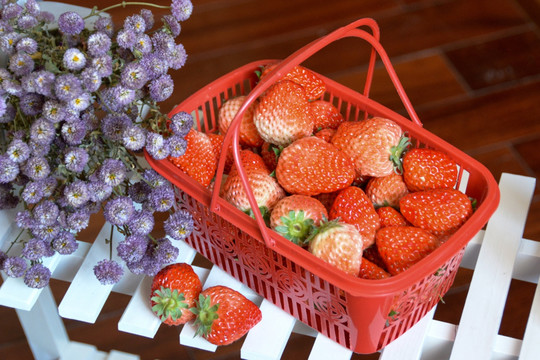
(296, 58)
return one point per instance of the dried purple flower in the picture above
(18, 151)
(148, 17)
(163, 44)
(177, 145)
(24, 219)
(172, 25)
(132, 248)
(178, 57)
(46, 212)
(112, 172)
(74, 59)
(157, 146)
(76, 159)
(65, 243)
(104, 24)
(135, 23)
(113, 126)
(21, 64)
(161, 89)
(99, 43)
(79, 219)
(35, 249)
(142, 222)
(161, 198)
(108, 272)
(90, 78)
(99, 191)
(81, 102)
(26, 45)
(32, 192)
(36, 168)
(67, 87)
(11, 11)
(125, 38)
(155, 66)
(54, 111)
(76, 193)
(119, 211)
(134, 76)
(37, 276)
(14, 266)
(31, 104)
(73, 132)
(102, 64)
(42, 131)
(70, 23)
(134, 138)
(179, 225)
(27, 22)
(181, 123)
(181, 9)
(165, 251)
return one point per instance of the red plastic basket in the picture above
(362, 315)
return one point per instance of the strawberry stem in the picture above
(396, 153)
(168, 303)
(205, 315)
(295, 227)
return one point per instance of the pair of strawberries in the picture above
(352, 192)
(220, 314)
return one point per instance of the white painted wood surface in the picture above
(428, 340)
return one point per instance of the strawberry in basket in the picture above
(313, 85)
(375, 145)
(249, 136)
(310, 166)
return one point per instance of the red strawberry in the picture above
(371, 271)
(249, 136)
(295, 216)
(353, 207)
(403, 246)
(339, 244)
(224, 315)
(265, 188)
(327, 199)
(386, 190)
(313, 85)
(426, 169)
(173, 292)
(283, 114)
(270, 154)
(372, 254)
(217, 142)
(199, 161)
(374, 145)
(391, 217)
(440, 211)
(325, 114)
(311, 166)
(326, 134)
(251, 161)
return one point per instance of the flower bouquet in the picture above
(77, 104)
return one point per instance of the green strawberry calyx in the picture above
(325, 225)
(296, 227)
(205, 315)
(396, 153)
(168, 303)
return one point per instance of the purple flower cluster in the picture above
(75, 106)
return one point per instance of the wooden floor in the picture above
(470, 67)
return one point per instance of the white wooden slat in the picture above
(409, 345)
(187, 334)
(325, 348)
(49, 339)
(526, 265)
(530, 348)
(79, 351)
(489, 286)
(275, 328)
(138, 318)
(86, 296)
(120, 355)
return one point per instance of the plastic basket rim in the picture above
(354, 285)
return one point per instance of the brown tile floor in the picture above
(471, 69)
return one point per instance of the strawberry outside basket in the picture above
(362, 315)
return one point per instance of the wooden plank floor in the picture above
(471, 69)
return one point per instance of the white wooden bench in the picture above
(497, 255)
